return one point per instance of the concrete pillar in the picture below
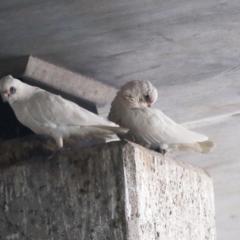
(114, 191)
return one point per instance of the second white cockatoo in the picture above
(51, 115)
(150, 127)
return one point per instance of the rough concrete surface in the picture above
(111, 191)
(167, 199)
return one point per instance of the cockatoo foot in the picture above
(160, 150)
(56, 152)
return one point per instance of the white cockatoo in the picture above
(150, 127)
(51, 115)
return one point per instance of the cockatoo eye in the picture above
(13, 90)
(146, 96)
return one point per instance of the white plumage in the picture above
(48, 114)
(150, 127)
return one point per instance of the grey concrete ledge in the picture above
(68, 81)
(111, 191)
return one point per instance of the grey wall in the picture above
(113, 191)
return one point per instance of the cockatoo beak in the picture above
(5, 95)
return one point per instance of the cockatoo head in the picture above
(139, 92)
(11, 89)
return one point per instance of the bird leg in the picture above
(59, 142)
(56, 153)
(160, 150)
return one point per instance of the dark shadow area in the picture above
(14, 66)
(10, 127)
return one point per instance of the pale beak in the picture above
(5, 95)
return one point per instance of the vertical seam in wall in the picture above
(131, 195)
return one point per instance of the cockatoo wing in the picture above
(53, 110)
(152, 126)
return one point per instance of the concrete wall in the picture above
(111, 191)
